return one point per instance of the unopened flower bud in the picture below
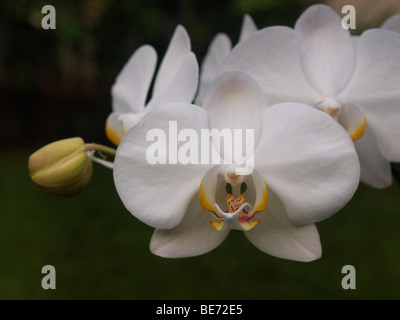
(62, 167)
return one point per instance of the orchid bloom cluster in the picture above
(322, 109)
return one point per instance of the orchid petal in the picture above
(308, 159)
(132, 84)
(385, 124)
(192, 237)
(375, 87)
(145, 188)
(327, 50)
(248, 28)
(177, 50)
(279, 237)
(393, 23)
(219, 48)
(272, 57)
(375, 170)
(129, 120)
(234, 100)
(355, 39)
(182, 85)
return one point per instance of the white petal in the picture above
(308, 159)
(355, 40)
(375, 87)
(248, 28)
(159, 194)
(132, 84)
(327, 50)
(192, 237)
(129, 120)
(219, 48)
(393, 23)
(385, 124)
(114, 129)
(178, 48)
(272, 57)
(279, 237)
(182, 85)
(375, 170)
(234, 100)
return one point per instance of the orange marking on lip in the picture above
(233, 202)
(113, 136)
(263, 203)
(205, 203)
(217, 225)
(359, 131)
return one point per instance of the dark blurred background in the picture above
(58, 81)
(56, 84)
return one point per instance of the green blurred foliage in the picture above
(100, 251)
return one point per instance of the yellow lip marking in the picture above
(359, 131)
(263, 203)
(112, 135)
(205, 203)
(247, 225)
(217, 225)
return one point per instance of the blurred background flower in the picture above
(56, 84)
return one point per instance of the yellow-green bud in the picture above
(62, 167)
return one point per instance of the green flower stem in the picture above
(91, 148)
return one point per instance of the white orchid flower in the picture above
(218, 49)
(318, 64)
(305, 170)
(176, 80)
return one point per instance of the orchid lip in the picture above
(238, 188)
(234, 220)
(233, 215)
(236, 217)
